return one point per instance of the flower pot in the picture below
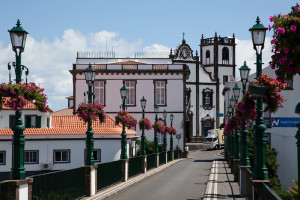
(258, 91)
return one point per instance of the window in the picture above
(99, 91)
(2, 157)
(225, 79)
(207, 99)
(61, 156)
(32, 121)
(207, 57)
(130, 98)
(225, 55)
(289, 84)
(31, 157)
(96, 154)
(160, 92)
(12, 121)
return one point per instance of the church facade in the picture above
(186, 84)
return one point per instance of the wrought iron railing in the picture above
(94, 54)
(249, 193)
(68, 182)
(152, 55)
(3, 195)
(169, 156)
(135, 166)
(268, 193)
(108, 174)
(177, 154)
(151, 161)
(162, 158)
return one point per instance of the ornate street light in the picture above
(90, 79)
(143, 145)
(123, 92)
(165, 135)
(171, 136)
(237, 152)
(156, 108)
(260, 171)
(232, 101)
(18, 39)
(244, 72)
(230, 139)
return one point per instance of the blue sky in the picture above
(60, 28)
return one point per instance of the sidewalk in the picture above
(221, 183)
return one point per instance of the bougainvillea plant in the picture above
(172, 131)
(274, 99)
(286, 44)
(158, 127)
(21, 94)
(145, 124)
(128, 120)
(245, 109)
(91, 112)
(230, 126)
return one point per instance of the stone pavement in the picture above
(221, 183)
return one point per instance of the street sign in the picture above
(220, 114)
(284, 121)
(178, 136)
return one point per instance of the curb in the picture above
(106, 193)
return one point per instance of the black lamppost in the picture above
(123, 92)
(90, 78)
(232, 102)
(237, 154)
(143, 145)
(260, 171)
(171, 136)
(230, 149)
(165, 134)
(244, 72)
(18, 39)
(156, 108)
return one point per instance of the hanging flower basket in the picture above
(128, 120)
(91, 112)
(172, 131)
(230, 126)
(258, 91)
(273, 99)
(158, 127)
(285, 44)
(145, 124)
(21, 94)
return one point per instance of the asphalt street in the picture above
(184, 180)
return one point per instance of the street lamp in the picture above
(244, 72)
(156, 108)
(165, 135)
(90, 78)
(171, 136)
(260, 171)
(123, 92)
(18, 39)
(143, 145)
(237, 152)
(232, 101)
(230, 136)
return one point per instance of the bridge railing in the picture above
(109, 174)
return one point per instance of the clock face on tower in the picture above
(185, 53)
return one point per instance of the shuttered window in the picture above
(160, 93)
(130, 98)
(99, 92)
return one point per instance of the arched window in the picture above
(225, 55)
(207, 57)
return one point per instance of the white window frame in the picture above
(131, 96)
(160, 93)
(98, 157)
(4, 157)
(32, 154)
(99, 91)
(61, 152)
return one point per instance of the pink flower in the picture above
(276, 23)
(271, 19)
(270, 27)
(281, 30)
(286, 50)
(293, 28)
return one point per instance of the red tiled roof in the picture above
(127, 62)
(63, 112)
(72, 126)
(28, 106)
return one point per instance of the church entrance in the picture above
(207, 123)
(189, 126)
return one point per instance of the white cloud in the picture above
(245, 52)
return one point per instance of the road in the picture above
(184, 180)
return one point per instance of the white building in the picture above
(184, 84)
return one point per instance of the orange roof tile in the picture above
(72, 126)
(127, 62)
(28, 106)
(63, 112)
